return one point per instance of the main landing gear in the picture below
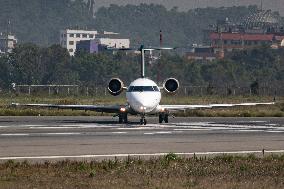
(143, 120)
(163, 117)
(122, 118)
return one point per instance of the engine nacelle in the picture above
(115, 86)
(171, 85)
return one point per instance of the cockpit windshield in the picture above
(142, 88)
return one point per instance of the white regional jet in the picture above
(143, 98)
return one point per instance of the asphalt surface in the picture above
(99, 137)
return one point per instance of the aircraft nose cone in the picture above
(146, 105)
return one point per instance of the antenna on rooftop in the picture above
(261, 5)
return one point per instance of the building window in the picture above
(264, 42)
(91, 36)
(85, 35)
(78, 35)
(71, 35)
(71, 50)
(235, 42)
(71, 42)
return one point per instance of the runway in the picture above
(100, 137)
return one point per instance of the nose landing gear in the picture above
(143, 120)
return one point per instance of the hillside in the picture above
(184, 5)
(39, 21)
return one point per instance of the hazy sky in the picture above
(277, 5)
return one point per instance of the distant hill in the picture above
(184, 5)
(39, 21)
(142, 23)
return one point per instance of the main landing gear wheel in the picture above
(143, 121)
(163, 117)
(122, 118)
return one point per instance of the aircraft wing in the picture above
(209, 106)
(97, 108)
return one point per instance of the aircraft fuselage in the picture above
(143, 96)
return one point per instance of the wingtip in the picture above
(14, 104)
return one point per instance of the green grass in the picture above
(258, 111)
(170, 171)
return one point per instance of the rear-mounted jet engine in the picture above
(115, 86)
(171, 85)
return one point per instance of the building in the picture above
(259, 28)
(101, 44)
(69, 38)
(113, 43)
(237, 41)
(89, 46)
(7, 43)
(202, 53)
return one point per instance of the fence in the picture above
(69, 90)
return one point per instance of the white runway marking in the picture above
(138, 155)
(61, 133)
(119, 132)
(158, 133)
(134, 128)
(275, 131)
(252, 130)
(171, 128)
(271, 124)
(164, 132)
(59, 127)
(194, 129)
(15, 134)
(36, 134)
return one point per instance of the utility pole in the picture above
(159, 62)
(91, 5)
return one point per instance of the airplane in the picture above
(143, 97)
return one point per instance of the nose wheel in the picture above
(143, 120)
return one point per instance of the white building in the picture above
(113, 43)
(7, 43)
(69, 38)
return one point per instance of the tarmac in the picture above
(58, 138)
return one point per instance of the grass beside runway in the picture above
(258, 111)
(170, 171)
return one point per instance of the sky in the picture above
(183, 5)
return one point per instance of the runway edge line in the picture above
(138, 155)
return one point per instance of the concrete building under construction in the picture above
(7, 43)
